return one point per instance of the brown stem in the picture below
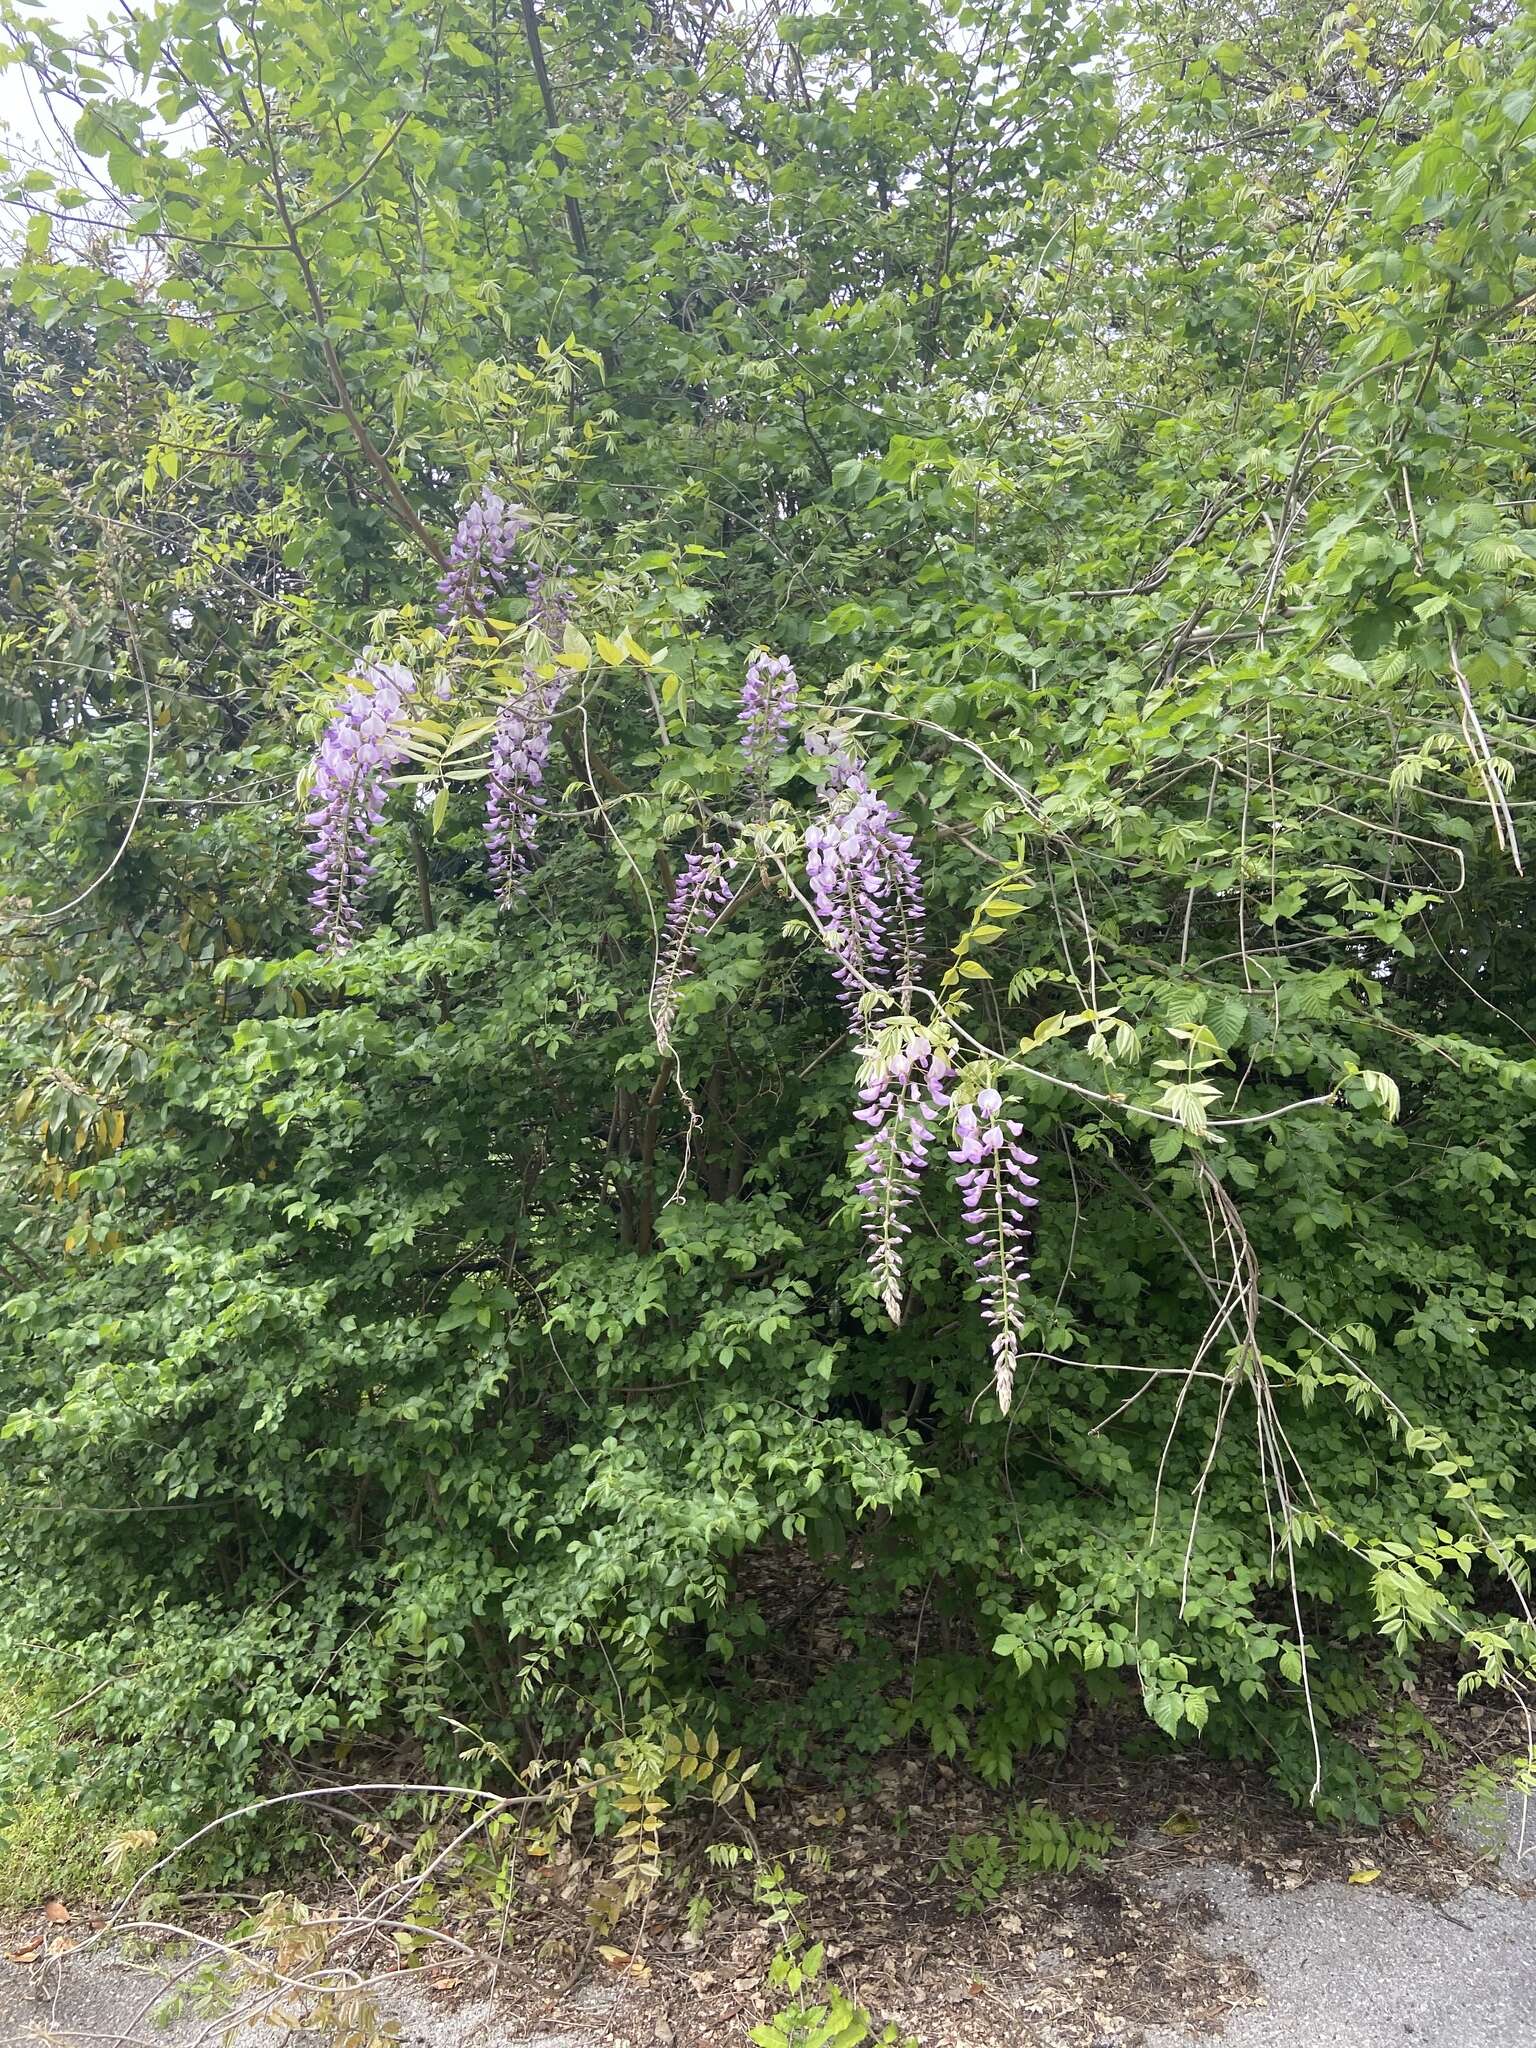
(738, 1172)
(715, 1153)
(399, 504)
(493, 1655)
(618, 1154)
(645, 1230)
(552, 120)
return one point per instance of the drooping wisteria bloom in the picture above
(834, 746)
(767, 706)
(866, 889)
(520, 746)
(699, 895)
(905, 882)
(992, 1170)
(481, 557)
(848, 885)
(901, 1095)
(358, 752)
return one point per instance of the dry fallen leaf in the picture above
(56, 1911)
(621, 1959)
(28, 1954)
(1364, 1876)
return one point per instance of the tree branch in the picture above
(399, 504)
(551, 121)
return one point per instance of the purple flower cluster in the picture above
(901, 1095)
(352, 767)
(520, 747)
(767, 706)
(699, 895)
(832, 747)
(480, 557)
(867, 891)
(993, 1176)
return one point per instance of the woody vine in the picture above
(864, 889)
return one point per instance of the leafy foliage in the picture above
(983, 1866)
(836, 2023)
(1120, 425)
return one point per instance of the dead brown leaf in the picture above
(628, 1965)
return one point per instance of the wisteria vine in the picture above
(865, 890)
(482, 557)
(520, 747)
(768, 700)
(358, 752)
(701, 893)
(992, 1169)
(902, 1094)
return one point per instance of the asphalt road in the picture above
(1347, 1966)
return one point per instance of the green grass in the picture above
(47, 1845)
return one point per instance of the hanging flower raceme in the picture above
(520, 747)
(353, 764)
(904, 882)
(767, 706)
(902, 1093)
(699, 895)
(867, 891)
(992, 1170)
(849, 891)
(481, 557)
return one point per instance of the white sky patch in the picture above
(23, 110)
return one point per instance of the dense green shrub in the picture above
(1129, 425)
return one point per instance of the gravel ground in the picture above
(1341, 1967)
(1337, 1966)
(104, 2005)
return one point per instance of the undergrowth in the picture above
(49, 1845)
(507, 1323)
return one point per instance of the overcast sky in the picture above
(20, 108)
